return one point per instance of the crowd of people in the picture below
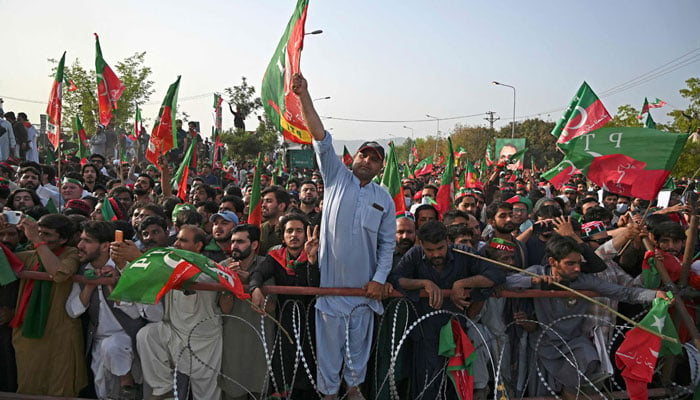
(333, 227)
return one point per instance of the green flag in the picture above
(633, 162)
(445, 194)
(108, 211)
(149, 277)
(164, 134)
(649, 122)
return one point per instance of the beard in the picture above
(437, 261)
(309, 202)
(140, 192)
(508, 227)
(404, 244)
(88, 257)
(241, 254)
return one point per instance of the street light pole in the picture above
(316, 32)
(512, 134)
(437, 141)
(322, 98)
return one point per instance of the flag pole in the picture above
(58, 173)
(574, 291)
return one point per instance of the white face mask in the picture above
(622, 208)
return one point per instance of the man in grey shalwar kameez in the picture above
(567, 337)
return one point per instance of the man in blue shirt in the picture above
(358, 228)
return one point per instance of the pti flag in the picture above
(55, 107)
(138, 125)
(585, 113)
(79, 130)
(622, 161)
(638, 353)
(445, 194)
(255, 206)
(347, 157)
(391, 179)
(183, 171)
(108, 212)
(424, 167)
(459, 350)
(151, 276)
(562, 173)
(164, 135)
(281, 105)
(109, 87)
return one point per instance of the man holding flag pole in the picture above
(357, 211)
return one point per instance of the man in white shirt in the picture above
(112, 326)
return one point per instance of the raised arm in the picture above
(313, 121)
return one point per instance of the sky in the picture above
(389, 60)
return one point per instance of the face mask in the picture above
(622, 208)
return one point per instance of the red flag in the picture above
(619, 173)
(164, 135)
(255, 207)
(109, 87)
(55, 106)
(561, 174)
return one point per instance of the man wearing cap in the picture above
(219, 247)
(358, 228)
(522, 207)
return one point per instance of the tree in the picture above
(244, 145)
(83, 101)
(688, 120)
(626, 116)
(242, 98)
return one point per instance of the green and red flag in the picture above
(138, 125)
(658, 103)
(55, 106)
(183, 171)
(70, 84)
(585, 113)
(445, 195)
(621, 160)
(471, 179)
(109, 87)
(255, 207)
(458, 349)
(645, 109)
(649, 122)
(561, 174)
(488, 158)
(391, 179)
(164, 134)
(10, 265)
(639, 352)
(461, 151)
(414, 151)
(148, 278)
(108, 210)
(347, 157)
(217, 101)
(281, 105)
(79, 131)
(424, 167)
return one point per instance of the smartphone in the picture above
(13, 217)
